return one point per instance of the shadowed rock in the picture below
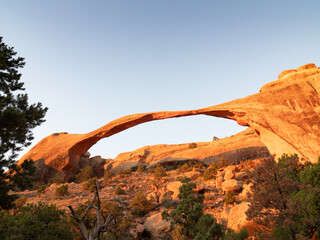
(285, 115)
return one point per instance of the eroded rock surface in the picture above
(285, 115)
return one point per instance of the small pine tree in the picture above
(17, 119)
(188, 219)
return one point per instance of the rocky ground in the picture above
(234, 178)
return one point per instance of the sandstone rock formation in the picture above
(242, 146)
(284, 114)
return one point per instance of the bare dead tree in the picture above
(100, 226)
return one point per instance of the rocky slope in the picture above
(242, 146)
(284, 114)
(166, 190)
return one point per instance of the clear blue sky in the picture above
(91, 62)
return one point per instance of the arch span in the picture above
(285, 113)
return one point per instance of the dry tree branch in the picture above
(94, 234)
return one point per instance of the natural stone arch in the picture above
(285, 114)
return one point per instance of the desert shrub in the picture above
(208, 228)
(159, 172)
(126, 223)
(179, 178)
(140, 205)
(230, 197)
(58, 180)
(118, 190)
(121, 223)
(36, 221)
(210, 172)
(107, 206)
(185, 168)
(85, 174)
(41, 189)
(142, 168)
(168, 203)
(108, 173)
(125, 172)
(18, 204)
(89, 219)
(192, 145)
(198, 165)
(222, 163)
(134, 169)
(232, 235)
(90, 185)
(62, 190)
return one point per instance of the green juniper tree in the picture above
(286, 197)
(17, 119)
(188, 220)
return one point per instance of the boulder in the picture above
(193, 175)
(246, 190)
(232, 185)
(165, 195)
(219, 181)
(137, 231)
(229, 173)
(237, 217)
(157, 227)
(97, 163)
(152, 196)
(174, 188)
(241, 176)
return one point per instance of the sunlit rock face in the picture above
(284, 115)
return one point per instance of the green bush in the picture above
(230, 197)
(62, 190)
(192, 145)
(185, 168)
(140, 205)
(167, 203)
(36, 222)
(222, 163)
(90, 185)
(18, 204)
(231, 235)
(208, 228)
(210, 172)
(41, 189)
(159, 172)
(85, 174)
(118, 190)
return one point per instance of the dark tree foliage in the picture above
(187, 214)
(38, 222)
(17, 119)
(285, 197)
